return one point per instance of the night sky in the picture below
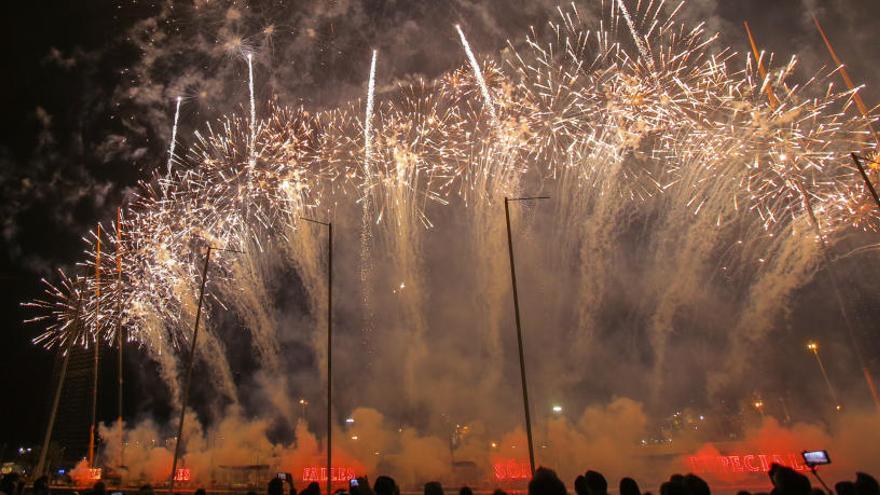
(74, 139)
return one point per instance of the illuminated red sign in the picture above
(182, 474)
(746, 463)
(315, 473)
(511, 469)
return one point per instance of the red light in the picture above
(94, 474)
(315, 473)
(182, 474)
(512, 469)
(743, 463)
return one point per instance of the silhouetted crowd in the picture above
(785, 481)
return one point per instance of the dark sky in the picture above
(62, 167)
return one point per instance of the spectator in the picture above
(866, 484)
(312, 489)
(385, 485)
(499, 491)
(694, 485)
(628, 486)
(433, 488)
(465, 490)
(672, 487)
(788, 482)
(361, 487)
(845, 488)
(580, 485)
(545, 482)
(596, 483)
(146, 490)
(200, 491)
(275, 487)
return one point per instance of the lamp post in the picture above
(329, 226)
(189, 368)
(519, 339)
(813, 347)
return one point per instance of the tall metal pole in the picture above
(119, 336)
(865, 177)
(519, 339)
(47, 438)
(841, 304)
(329, 226)
(189, 369)
(329, 355)
(96, 354)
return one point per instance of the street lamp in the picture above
(519, 339)
(303, 405)
(189, 368)
(759, 405)
(813, 347)
(329, 226)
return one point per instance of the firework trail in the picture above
(478, 73)
(366, 261)
(173, 142)
(368, 115)
(253, 122)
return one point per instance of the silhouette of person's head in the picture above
(545, 482)
(385, 485)
(275, 487)
(313, 489)
(866, 484)
(672, 488)
(845, 488)
(99, 488)
(580, 485)
(433, 488)
(696, 485)
(499, 491)
(596, 483)
(146, 490)
(200, 491)
(362, 487)
(628, 486)
(787, 481)
(465, 490)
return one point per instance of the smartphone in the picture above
(816, 457)
(283, 476)
(353, 482)
(117, 493)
